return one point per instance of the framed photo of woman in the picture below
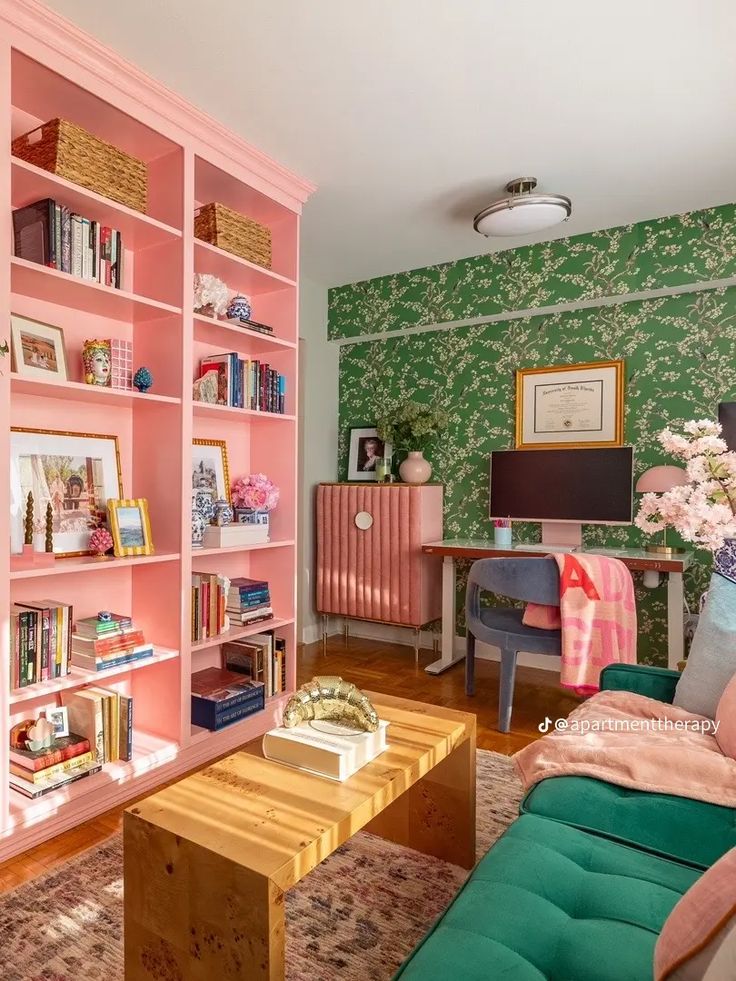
(366, 449)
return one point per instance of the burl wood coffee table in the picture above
(208, 860)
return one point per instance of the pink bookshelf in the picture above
(49, 69)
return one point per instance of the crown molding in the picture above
(40, 24)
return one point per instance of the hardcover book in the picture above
(326, 748)
(65, 747)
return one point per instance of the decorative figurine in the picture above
(41, 735)
(143, 379)
(223, 513)
(104, 616)
(100, 541)
(210, 295)
(329, 697)
(97, 360)
(28, 523)
(239, 308)
(49, 544)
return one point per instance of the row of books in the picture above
(220, 698)
(246, 384)
(98, 645)
(248, 601)
(209, 598)
(49, 233)
(40, 642)
(100, 731)
(262, 657)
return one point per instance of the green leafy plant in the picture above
(412, 425)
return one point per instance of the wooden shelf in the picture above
(78, 391)
(237, 633)
(77, 677)
(255, 547)
(91, 563)
(220, 411)
(239, 274)
(211, 331)
(44, 283)
(138, 231)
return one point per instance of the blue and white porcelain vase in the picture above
(223, 513)
(724, 560)
(239, 308)
(249, 516)
(198, 527)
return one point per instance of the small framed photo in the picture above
(37, 350)
(59, 719)
(366, 449)
(210, 471)
(571, 405)
(130, 526)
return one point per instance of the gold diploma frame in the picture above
(570, 405)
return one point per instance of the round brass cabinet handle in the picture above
(363, 520)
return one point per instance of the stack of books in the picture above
(35, 773)
(262, 657)
(221, 697)
(246, 384)
(104, 717)
(50, 234)
(209, 596)
(40, 642)
(101, 644)
(248, 601)
(251, 325)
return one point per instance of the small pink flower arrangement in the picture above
(100, 541)
(704, 510)
(256, 493)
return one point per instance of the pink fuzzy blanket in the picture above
(636, 742)
(598, 615)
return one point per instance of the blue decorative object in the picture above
(198, 527)
(223, 513)
(249, 516)
(143, 379)
(724, 560)
(239, 308)
(104, 616)
(204, 506)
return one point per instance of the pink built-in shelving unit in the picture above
(48, 68)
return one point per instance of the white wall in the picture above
(318, 408)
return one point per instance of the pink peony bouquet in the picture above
(702, 511)
(256, 493)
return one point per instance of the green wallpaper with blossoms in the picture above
(680, 354)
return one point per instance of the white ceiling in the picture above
(411, 114)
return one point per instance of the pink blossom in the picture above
(256, 492)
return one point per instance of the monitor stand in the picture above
(569, 533)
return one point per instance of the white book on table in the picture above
(325, 748)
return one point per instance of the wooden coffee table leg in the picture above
(437, 815)
(194, 915)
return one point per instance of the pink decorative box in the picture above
(121, 364)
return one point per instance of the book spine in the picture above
(32, 646)
(66, 241)
(119, 277)
(76, 269)
(59, 259)
(204, 715)
(37, 776)
(89, 663)
(126, 728)
(51, 231)
(42, 791)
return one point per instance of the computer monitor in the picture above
(563, 487)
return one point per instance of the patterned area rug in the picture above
(67, 925)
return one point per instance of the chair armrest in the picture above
(658, 683)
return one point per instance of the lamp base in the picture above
(664, 550)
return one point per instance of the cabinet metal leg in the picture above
(324, 634)
(346, 631)
(416, 644)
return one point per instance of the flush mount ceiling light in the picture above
(522, 211)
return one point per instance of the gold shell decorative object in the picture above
(329, 697)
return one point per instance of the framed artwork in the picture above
(572, 405)
(37, 350)
(74, 472)
(366, 449)
(130, 526)
(59, 719)
(210, 471)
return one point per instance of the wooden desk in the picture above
(637, 560)
(208, 860)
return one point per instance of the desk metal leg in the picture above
(449, 611)
(675, 629)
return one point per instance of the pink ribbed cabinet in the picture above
(378, 573)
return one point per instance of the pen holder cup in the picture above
(502, 536)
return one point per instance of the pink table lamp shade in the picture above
(657, 480)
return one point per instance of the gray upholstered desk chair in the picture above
(534, 580)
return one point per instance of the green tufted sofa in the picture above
(580, 885)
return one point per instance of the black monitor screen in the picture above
(591, 486)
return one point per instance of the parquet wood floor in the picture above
(377, 666)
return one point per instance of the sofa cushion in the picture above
(685, 830)
(726, 720)
(550, 902)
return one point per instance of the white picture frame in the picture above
(366, 449)
(59, 719)
(37, 350)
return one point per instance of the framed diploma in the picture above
(571, 405)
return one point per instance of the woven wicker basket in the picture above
(244, 237)
(71, 152)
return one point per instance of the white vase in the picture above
(415, 469)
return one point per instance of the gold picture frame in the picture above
(130, 526)
(202, 476)
(570, 405)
